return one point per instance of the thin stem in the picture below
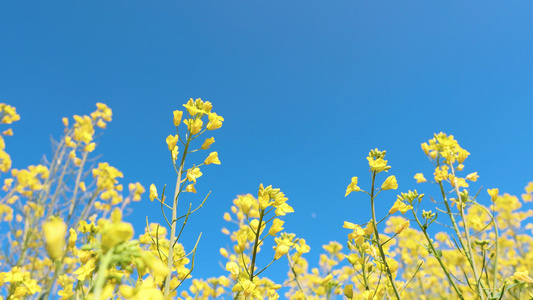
(174, 215)
(256, 244)
(382, 253)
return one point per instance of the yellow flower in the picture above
(54, 235)
(212, 159)
(215, 121)
(390, 183)
(401, 227)
(493, 193)
(441, 173)
(172, 140)
(281, 250)
(194, 126)
(472, 176)
(208, 143)
(283, 209)
(326, 279)
(377, 165)
(72, 238)
(193, 173)
(233, 268)
(155, 264)
(153, 192)
(65, 121)
(523, 276)
(348, 291)
(115, 234)
(277, 226)
(352, 187)
(190, 188)
(420, 178)
(85, 270)
(89, 147)
(177, 117)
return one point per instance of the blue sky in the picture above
(306, 88)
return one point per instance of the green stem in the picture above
(173, 220)
(382, 253)
(256, 244)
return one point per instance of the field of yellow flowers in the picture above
(63, 235)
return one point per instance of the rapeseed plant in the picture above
(64, 234)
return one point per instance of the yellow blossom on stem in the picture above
(493, 193)
(212, 159)
(420, 178)
(215, 121)
(441, 173)
(190, 188)
(390, 183)
(472, 176)
(377, 165)
(277, 226)
(401, 227)
(177, 117)
(194, 125)
(172, 140)
(193, 174)
(208, 143)
(233, 268)
(352, 187)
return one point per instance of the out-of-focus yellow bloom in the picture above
(212, 159)
(54, 236)
(89, 147)
(326, 279)
(224, 252)
(390, 183)
(522, 276)
(401, 227)
(348, 291)
(153, 192)
(115, 234)
(493, 193)
(208, 143)
(420, 178)
(65, 121)
(8, 132)
(72, 238)
(233, 268)
(9, 112)
(155, 264)
(352, 187)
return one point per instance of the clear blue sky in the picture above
(306, 88)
